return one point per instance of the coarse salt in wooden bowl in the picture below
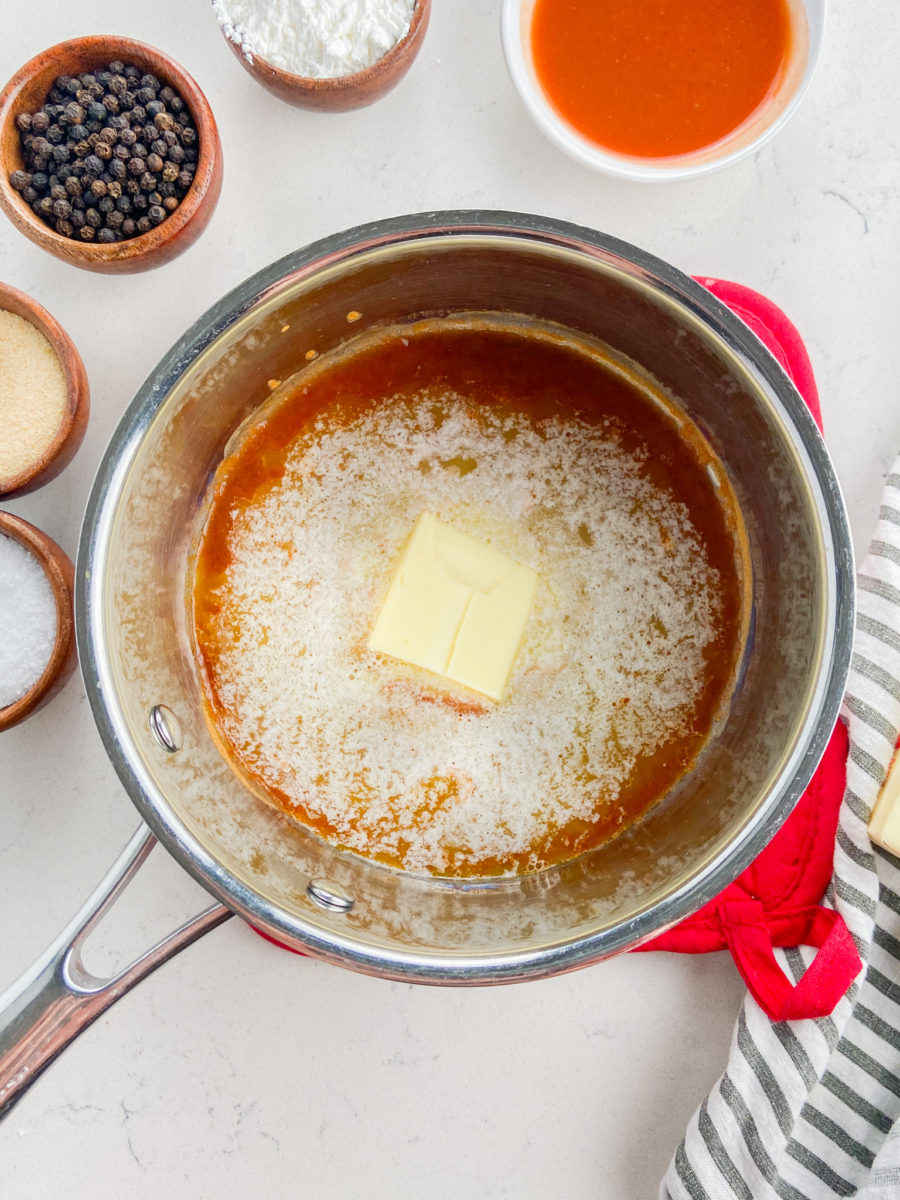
(53, 671)
(32, 455)
(343, 92)
(27, 91)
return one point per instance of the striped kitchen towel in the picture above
(805, 1109)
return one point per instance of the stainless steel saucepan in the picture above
(143, 687)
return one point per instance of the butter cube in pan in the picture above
(456, 607)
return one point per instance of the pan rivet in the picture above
(165, 727)
(329, 895)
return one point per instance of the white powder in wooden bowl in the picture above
(32, 395)
(318, 39)
(27, 619)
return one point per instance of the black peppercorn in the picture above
(105, 145)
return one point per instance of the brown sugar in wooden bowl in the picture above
(27, 91)
(49, 458)
(343, 92)
(60, 573)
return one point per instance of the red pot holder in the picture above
(775, 902)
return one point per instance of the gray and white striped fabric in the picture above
(805, 1109)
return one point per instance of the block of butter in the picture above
(456, 607)
(884, 824)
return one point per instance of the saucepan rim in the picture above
(368, 954)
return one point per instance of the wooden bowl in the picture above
(344, 92)
(27, 91)
(74, 419)
(60, 572)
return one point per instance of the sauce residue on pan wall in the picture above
(557, 455)
(656, 78)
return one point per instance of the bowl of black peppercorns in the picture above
(109, 154)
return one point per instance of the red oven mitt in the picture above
(775, 902)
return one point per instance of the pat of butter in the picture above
(456, 607)
(884, 824)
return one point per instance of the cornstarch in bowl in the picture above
(316, 39)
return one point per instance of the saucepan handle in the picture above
(46, 1009)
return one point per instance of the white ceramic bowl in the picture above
(515, 27)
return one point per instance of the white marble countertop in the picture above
(239, 1070)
